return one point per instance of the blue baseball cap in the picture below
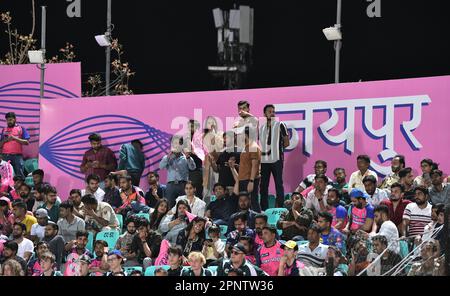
(358, 193)
(118, 253)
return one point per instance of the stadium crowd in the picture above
(214, 215)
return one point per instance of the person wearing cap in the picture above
(6, 216)
(38, 229)
(356, 178)
(237, 261)
(115, 261)
(269, 254)
(289, 265)
(84, 263)
(21, 216)
(12, 138)
(361, 214)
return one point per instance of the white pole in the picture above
(108, 49)
(338, 43)
(43, 31)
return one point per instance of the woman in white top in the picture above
(212, 145)
(197, 205)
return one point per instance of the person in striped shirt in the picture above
(314, 253)
(417, 214)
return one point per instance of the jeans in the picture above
(16, 161)
(173, 191)
(135, 178)
(254, 194)
(276, 169)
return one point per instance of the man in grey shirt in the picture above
(439, 192)
(68, 223)
(55, 242)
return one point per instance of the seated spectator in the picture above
(356, 178)
(115, 261)
(78, 206)
(221, 209)
(99, 265)
(289, 265)
(376, 195)
(329, 235)
(12, 267)
(250, 248)
(175, 261)
(396, 204)
(388, 260)
(236, 262)
(158, 272)
(48, 265)
(51, 204)
(316, 200)
(26, 246)
(341, 184)
(125, 240)
(429, 265)
(132, 199)
(213, 248)
(145, 244)
(112, 194)
(161, 209)
(10, 250)
(99, 215)
(437, 220)
(6, 217)
(313, 253)
(197, 205)
(93, 187)
(244, 204)
(296, 221)
(385, 228)
(407, 180)
(38, 178)
(75, 249)
(68, 223)
(192, 238)
(156, 190)
(359, 260)
(338, 212)
(361, 214)
(439, 191)
(196, 262)
(38, 229)
(320, 168)
(34, 265)
(427, 166)
(84, 262)
(241, 229)
(417, 214)
(397, 163)
(269, 254)
(171, 225)
(260, 223)
(21, 216)
(56, 243)
(39, 197)
(27, 196)
(335, 263)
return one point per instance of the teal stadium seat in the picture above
(110, 237)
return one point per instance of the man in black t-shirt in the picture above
(223, 207)
(221, 165)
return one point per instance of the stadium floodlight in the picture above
(103, 40)
(332, 33)
(218, 17)
(36, 56)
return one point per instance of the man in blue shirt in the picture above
(132, 159)
(329, 235)
(177, 165)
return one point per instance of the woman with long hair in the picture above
(12, 268)
(212, 145)
(172, 224)
(192, 238)
(161, 209)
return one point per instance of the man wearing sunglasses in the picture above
(237, 262)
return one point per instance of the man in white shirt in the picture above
(314, 253)
(385, 228)
(376, 195)
(38, 229)
(320, 167)
(356, 179)
(316, 199)
(26, 246)
(93, 187)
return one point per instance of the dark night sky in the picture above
(170, 43)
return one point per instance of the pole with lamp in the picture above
(335, 34)
(38, 56)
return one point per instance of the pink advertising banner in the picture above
(20, 93)
(330, 122)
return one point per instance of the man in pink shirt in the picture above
(269, 254)
(12, 138)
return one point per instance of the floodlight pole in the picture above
(338, 43)
(43, 33)
(108, 49)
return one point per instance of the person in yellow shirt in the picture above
(21, 216)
